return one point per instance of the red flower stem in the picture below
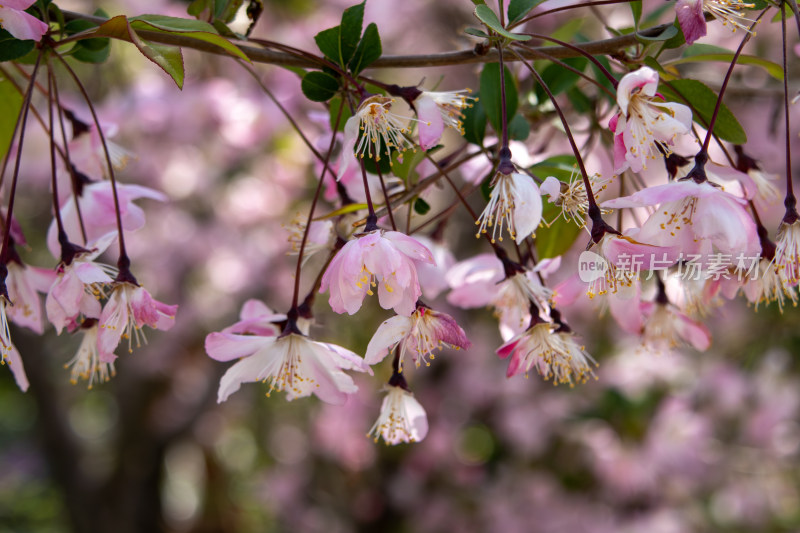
(123, 263)
(325, 168)
(20, 125)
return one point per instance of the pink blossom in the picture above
(482, 281)
(432, 277)
(642, 125)
(691, 16)
(78, 286)
(88, 364)
(551, 354)
(20, 24)
(8, 352)
(665, 326)
(419, 335)
(292, 363)
(257, 319)
(515, 202)
(24, 283)
(87, 152)
(129, 308)
(402, 418)
(436, 110)
(387, 259)
(382, 129)
(99, 213)
(694, 216)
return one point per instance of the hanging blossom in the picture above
(19, 24)
(79, 285)
(98, 212)
(129, 308)
(515, 202)
(483, 280)
(291, 362)
(787, 252)
(402, 418)
(86, 147)
(763, 285)
(371, 131)
(386, 259)
(24, 283)
(667, 327)
(694, 218)
(88, 364)
(691, 16)
(572, 198)
(642, 126)
(551, 354)
(319, 237)
(418, 335)
(437, 110)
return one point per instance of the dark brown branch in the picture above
(460, 57)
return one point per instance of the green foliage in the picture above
(488, 17)
(517, 9)
(319, 86)
(490, 94)
(518, 129)
(344, 44)
(368, 50)
(668, 33)
(559, 79)
(88, 50)
(702, 99)
(636, 9)
(421, 207)
(560, 235)
(700, 53)
(475, 122)
(11, 48)
(10, 105)
(333, 108)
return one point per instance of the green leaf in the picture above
(334, 106)
(560, 235)
(10, 106)
(477, 33)
(90, 53)
(475, 122)
(703, 100)
(668, 33)
(675, 42)
(773, 69)
(319, 86)
(517, 9)
(487, 16)
(518, 128)
(350, 31)
(421, 206)
(490, 94)
(169, 58)
(328, 43)
(636, 9)
(11, 48)
(559, 79)
(208, 34)
(368, 51)
(580, 102)
(174, 24)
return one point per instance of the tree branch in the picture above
(459, 57)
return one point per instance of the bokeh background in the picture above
(661, 443)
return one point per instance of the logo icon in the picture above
(591, 266)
